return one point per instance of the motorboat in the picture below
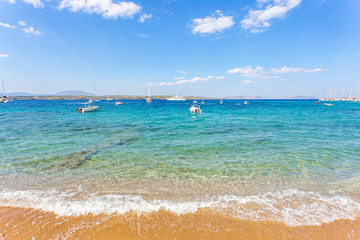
(202, 102)
(108, 98)
(195, 108)
(328, 104)
(195, 101)
(246, 102)
(221, 101)
(87, 108)
(118, 103)
(176, 98)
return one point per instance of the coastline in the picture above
(25, 223)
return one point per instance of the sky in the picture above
(213, 48)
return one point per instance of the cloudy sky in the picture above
(269, 48)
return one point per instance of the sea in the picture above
(270, 169)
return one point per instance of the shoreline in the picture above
(25, 223)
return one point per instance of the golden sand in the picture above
(19, 223)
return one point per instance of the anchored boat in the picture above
(87, 108)
(195, 108)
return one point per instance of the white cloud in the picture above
(211, 24)
(183, 81)
(143, 35)
(31, 30)
(106, 8)
(143, 17)
(22, 23)
(4, 56)
(248, 82)
(35, 3)
(259, 20)
(182, 71)
(178, 78)
(286, 69)
(6, 25)
(221, 77)
(259, 72)
(250, 72)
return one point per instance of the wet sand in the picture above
(20, 223)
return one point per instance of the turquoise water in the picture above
(161, 149)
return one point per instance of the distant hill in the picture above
(74, 93)
(24, 94)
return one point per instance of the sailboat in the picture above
(148, 100)
(95, 98)
(5, 97)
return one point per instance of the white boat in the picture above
(328, 104)
(195, 108)
(118, 103)
(221, 101)
(246, 102)
(87, 108)
(176, 98)
(108, 98)
(195, 101)
(5, 97)
(148, 100)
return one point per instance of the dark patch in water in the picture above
(77, 159)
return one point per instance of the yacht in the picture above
(87, 108)
(176, 98)
(118, 103)
(195, 108)
(195, 101)
(5, 97)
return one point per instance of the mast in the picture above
(3, 86)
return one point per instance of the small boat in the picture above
(202, 102)
(246, 102)
(87, 108)
(5, 98)
(328, 104)
(118, 103)
(221, 101)
(195, 108)
(317, 102)
(195, 101)
(108, 98)
(176, 98)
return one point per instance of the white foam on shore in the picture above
(293, 207)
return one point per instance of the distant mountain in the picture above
(74, 93)
(242, 97)
(24, 94)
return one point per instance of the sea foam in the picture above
(293, 207)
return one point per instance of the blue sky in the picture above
(269, 48)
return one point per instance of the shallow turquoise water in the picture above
(163, 140)
(140, 148)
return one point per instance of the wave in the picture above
(292, 207)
